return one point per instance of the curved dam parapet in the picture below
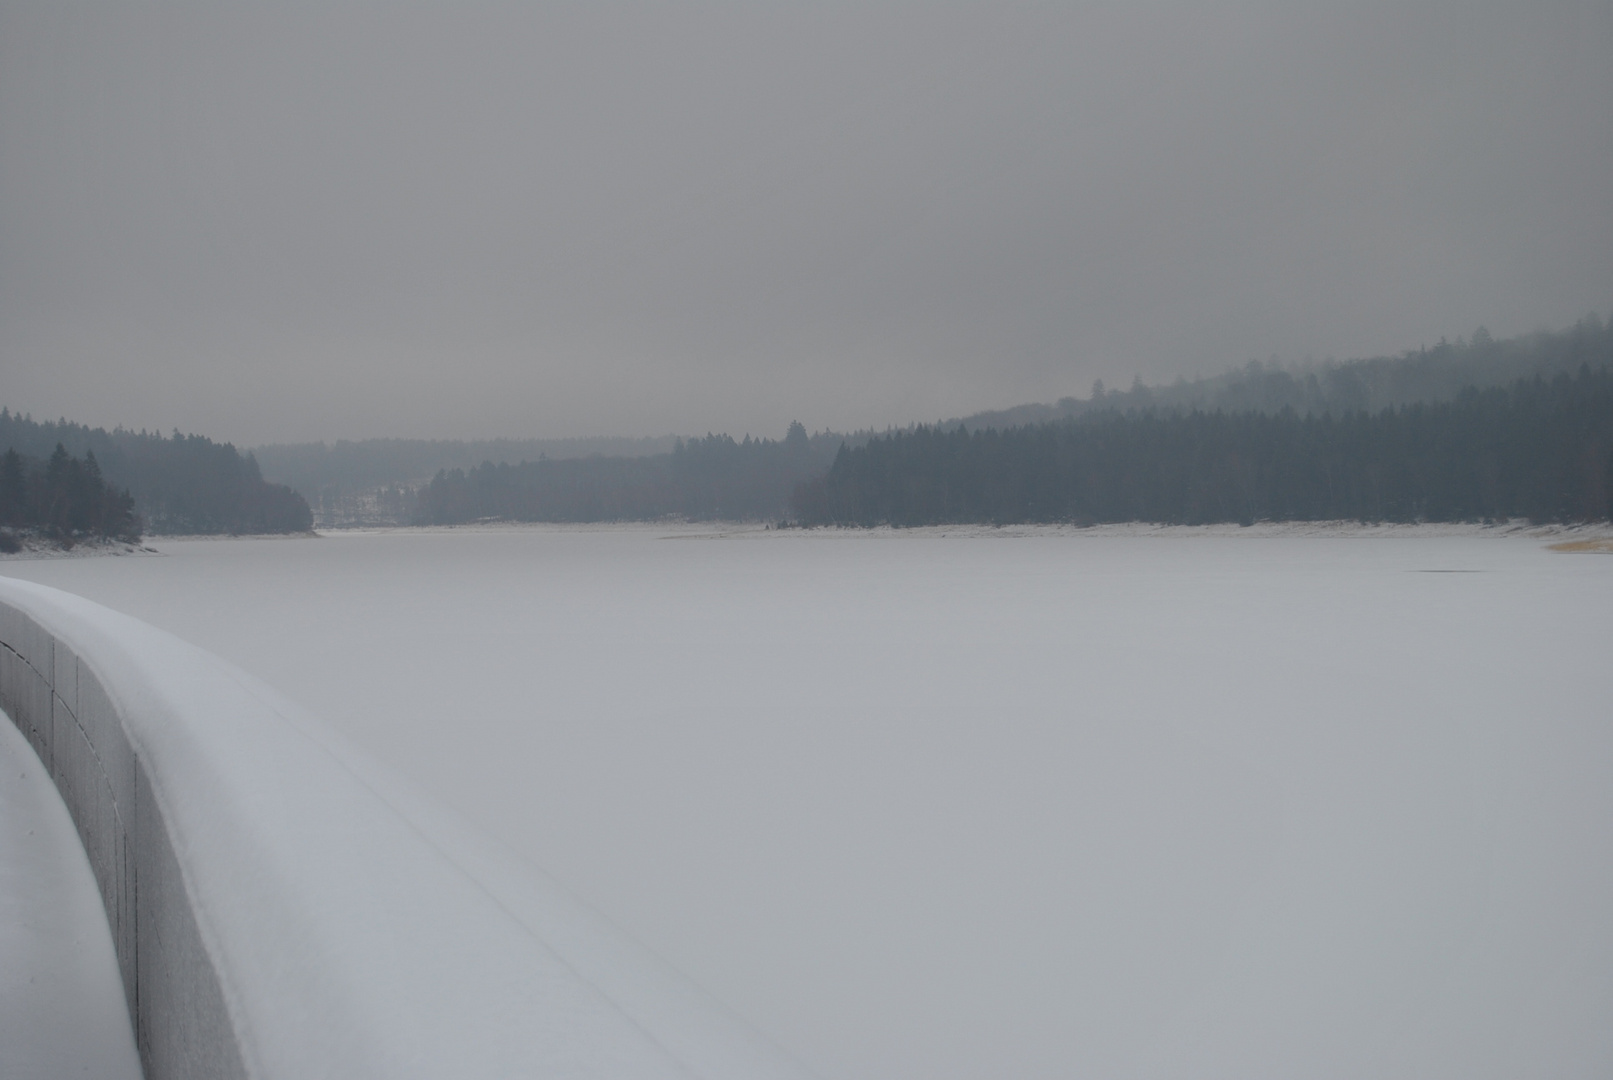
(284, 907)
(62, 1007)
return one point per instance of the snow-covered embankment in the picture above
(281, 906)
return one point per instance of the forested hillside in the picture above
(1541, 450)
(1467, 430)
(1226, 448)
(183, 484)
(373, 481)
(701, 479)
(1426, 374)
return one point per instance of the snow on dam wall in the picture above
(60, 706)
(284, 907)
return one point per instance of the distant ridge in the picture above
(1426, 375)
(381, 481)
(319, 470)
(385, 481)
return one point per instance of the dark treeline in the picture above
(701, 479)
(63, 498)
(385, 481)
(372, 481)
(1103, 458)
(1540, 449)
(183, 484)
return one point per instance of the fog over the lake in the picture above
(279, 222)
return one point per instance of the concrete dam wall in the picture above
(176, 1006)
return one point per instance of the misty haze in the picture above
(852, 542)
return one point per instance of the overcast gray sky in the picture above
(272, 222)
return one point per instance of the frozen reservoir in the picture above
(981, 803)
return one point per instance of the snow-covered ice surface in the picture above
(62, 1012)
(982, 803)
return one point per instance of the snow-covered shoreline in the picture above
(1257, 530)
(37, 548)
(678, 530)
